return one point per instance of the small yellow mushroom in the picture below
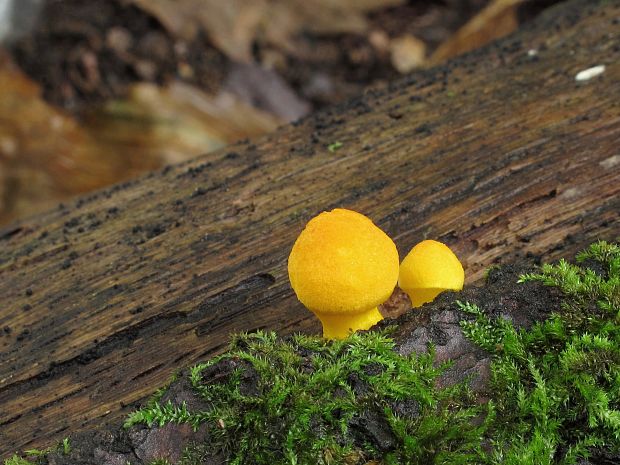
(342, 267)
(428, 270)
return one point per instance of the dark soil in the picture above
(435, 323)
(86, 52)
(83, 53)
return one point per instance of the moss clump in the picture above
(307, 401)
(39, 455)
(16, 460)
(556, 387)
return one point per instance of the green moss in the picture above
(293, 412)
(39, 455)
(490, 269)
(15, 460)
(335, 146)
(66, 446)
(557, 385)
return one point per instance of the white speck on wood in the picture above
(610, 162)
(589, 73)
(570, 193)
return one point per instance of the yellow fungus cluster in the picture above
(342, 267)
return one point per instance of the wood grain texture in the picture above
(499, 153)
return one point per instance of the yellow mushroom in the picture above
(428, 270)
(342, 267)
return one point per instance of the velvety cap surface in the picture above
(342, 262)
(431, 264)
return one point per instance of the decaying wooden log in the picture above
(500, 154)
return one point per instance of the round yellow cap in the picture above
(342, 263)
(429, 269)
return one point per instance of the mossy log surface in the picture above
(500, 154)
(436, 324)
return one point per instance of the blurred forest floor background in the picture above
(101, 91)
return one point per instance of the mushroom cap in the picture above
(429, 269)
(342, 263)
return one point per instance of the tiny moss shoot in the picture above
(335, 146)
(66, 446)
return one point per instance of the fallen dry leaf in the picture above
(265, 89)
(46, 156)
(233, 25)
(497, 19)
(175, 123)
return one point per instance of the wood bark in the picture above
(500, 154)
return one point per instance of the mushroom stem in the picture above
(341, 325)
